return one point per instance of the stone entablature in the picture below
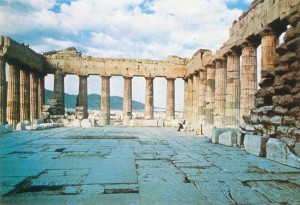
(72, 62)
(262, 16)
(21, 54)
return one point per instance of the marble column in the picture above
(170, 114)
(149, 112)
(232, 105)
(13, 95)
(33, 96)
(105, 101)
(202, 96)
(190, 99)
(83, 94)
(3, 92)
(269, 41)
(248, 79)
(41, 93)
(220, 82)
(186, 94)
(127, 100)
(210, 94)
(24, 95)
(195, 99)
(59, 91)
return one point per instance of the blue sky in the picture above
(151, 29)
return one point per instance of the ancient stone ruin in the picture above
(221, 96)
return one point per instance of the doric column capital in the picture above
(219, 58)
(83, 75)
(128, 77)
(230, 52)
(267, 31)
(149, 77)
(171, 78)
(247, 44)
(105, 76)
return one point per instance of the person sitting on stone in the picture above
(181, 125)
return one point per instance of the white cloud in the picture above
(121, 28)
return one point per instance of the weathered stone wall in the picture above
(277, 103)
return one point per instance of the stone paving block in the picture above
(182, 193)
(113, 171)
(174, 162)
(71, 190)
(228, 138)
(92, 188)
(255, 144)
(278, 151)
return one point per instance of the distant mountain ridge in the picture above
(94, 100)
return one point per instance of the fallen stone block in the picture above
(207, 130)
(76, 123)
(160, 123)
(28, 127)
(38, 121)
(21, 126)
(255, 144)
(9, 127)
(86, 123)
(66, 123)
(2, 127)
(278, 151)
(228, 138)
(216, 133)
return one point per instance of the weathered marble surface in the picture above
(118, 165)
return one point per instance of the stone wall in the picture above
(277, 103)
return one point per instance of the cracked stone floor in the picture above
(119, 165)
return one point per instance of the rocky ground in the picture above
(120, 165)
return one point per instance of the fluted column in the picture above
(170, 99)
(195, 98)
(59, 91)
(33, 96)
(248, 79)
(41, 94)
(127, 100)
(149, 112)
(232, 106)
(186, 94)
(210, 94)
(13, 95)
(202, 96)
(3, 92)
(83, 93)
(220, 81)
(24, 95)
(105, 101)
(269, 41)
(190, 99)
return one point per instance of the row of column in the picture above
(21, 95)
(105, 97)
(222, 92)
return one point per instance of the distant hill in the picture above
(116, 102)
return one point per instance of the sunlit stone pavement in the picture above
(119, 165)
